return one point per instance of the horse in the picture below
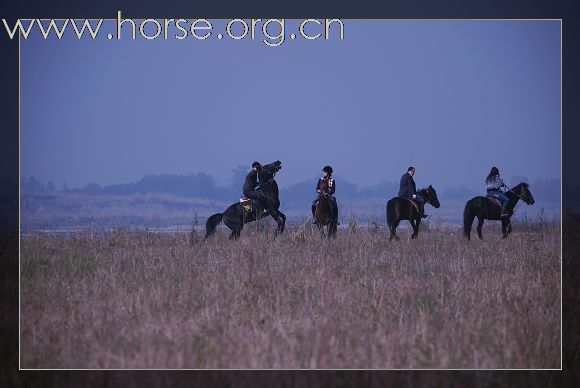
(485, 208)
(325, 216)
(399, 208)
(240, 213)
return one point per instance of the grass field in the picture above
(147, 300)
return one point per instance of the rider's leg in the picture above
(505, 212)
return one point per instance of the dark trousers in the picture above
(502, 199)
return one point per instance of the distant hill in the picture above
(171, 199)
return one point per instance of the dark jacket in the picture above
(327, 185)
(407, 187)
(251, 182)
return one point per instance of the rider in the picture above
(326, 187)
(251, 184)
(408, 189)
(494, 183)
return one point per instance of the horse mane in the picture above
(424, 189)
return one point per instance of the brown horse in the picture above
(325, 216)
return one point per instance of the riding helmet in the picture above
(256, 164)
(327, 169)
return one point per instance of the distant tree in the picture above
(238, 176)
(92, 188)
(31, 184)
(64, 187)
(50, 186)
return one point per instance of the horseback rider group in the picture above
(326, 186)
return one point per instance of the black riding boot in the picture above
(504, 210)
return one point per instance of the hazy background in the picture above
(452, 98)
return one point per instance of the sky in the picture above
(452, 98)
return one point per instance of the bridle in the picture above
(516, 194)
(428, 191)
(271, 178)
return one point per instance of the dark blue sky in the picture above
(452, 98)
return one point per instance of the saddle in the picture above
(250, 205)
(493, 199)
(413, 203)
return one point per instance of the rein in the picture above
(516, 194)
(270, 180)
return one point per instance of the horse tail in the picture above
(468, 217)
(390, 213)
(211, 223)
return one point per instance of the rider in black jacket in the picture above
(326, 186)
(408, 189)
(251, 184)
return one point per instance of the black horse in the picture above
(486, 208)
(325, 216)
(241, 213)
(399, 208)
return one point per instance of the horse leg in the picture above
(506, 227)
(320, 229)
(394, 230)
(236, 231)
(417, 223)
(412, 222)
(334, 226)
(280, 219)
(332, 229)
(479, 226)
(282, 223)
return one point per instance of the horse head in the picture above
(430, 196)
(266, 177)
(522, 190)
(272, 167)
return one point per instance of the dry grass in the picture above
(145, 300)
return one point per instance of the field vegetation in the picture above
(151, 300)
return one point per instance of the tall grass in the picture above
(145, 300)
